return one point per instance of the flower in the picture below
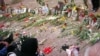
(91, 15)
(16, 34)
(62, 19)
(47, 50)
(64, 25)
(82, 15)
(26, 19)
(72, 32)
(7, 15)
(74, 8)
(2, 25)
(69, 10)
(88, 26)
(1, 15)
(94, 19)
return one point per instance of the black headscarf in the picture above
(29, 47)
(9, 39)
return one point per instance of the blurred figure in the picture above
(5, 45)
(29, 47)
(93, 50)
(95, 5)
(73, 50)
(3, 48)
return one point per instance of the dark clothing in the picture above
(95, 4)
(3, 51)
(28, 48)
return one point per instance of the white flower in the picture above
(1, 15)
(51, 18)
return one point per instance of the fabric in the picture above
(9, 39)
(95, 50)
(86, 52)
(68, 52)
(29, 47)
(45, 9)
(75, 52)
(11, 54)
(95, 4)
(3, 51)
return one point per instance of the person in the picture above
(5, 46)
(93, 50)
(29, 47)
(73, 50)
(95, 5)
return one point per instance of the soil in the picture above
(51, 34)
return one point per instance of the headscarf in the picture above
(29, 47)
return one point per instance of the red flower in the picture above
(69, 10)
(16, 34)
(7, 15)
(94, 19)
(26, 19)
(47, 50)
(1, 25)
(91, 15)
(82, 15)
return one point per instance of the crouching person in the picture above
(93, 50)
(28, 48)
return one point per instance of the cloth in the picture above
(11, 54)
(95, 4)
(68, 52)
(3, 51)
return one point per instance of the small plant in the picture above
(95, 37)
(4, 33)
(82, 32)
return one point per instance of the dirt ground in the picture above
(51, 33)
